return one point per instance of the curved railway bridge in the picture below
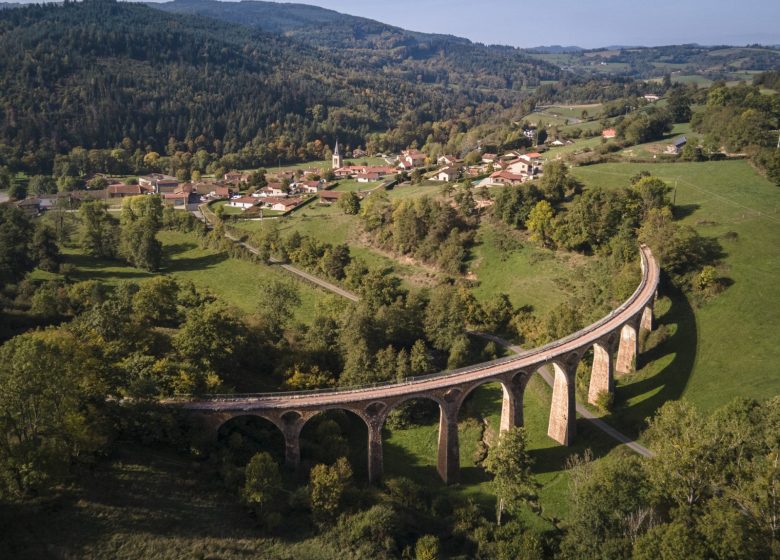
(614, 340)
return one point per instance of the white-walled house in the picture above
(447, 174)
(243, 202)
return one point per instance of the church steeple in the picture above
(338, 162)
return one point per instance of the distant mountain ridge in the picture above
(370, 46)
(555, 49)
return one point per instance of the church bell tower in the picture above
(338, 161)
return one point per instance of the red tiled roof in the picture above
(123, 189)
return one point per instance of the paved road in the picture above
(547, 375)
(529, 361)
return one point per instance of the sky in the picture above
(584, 23)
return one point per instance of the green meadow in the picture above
(728, 347)
(235, 282)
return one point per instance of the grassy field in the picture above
(353, 185)
(235, 282)
(728, 347)
(413, 452)
(330, 224)
(528, 274)
(651, 149)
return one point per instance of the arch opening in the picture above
(333, 434)
(241, 437)
(479, 424)
(410, 438)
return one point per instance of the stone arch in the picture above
(333, 431)
(447, 439)
(247, 433)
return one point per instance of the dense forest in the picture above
(100, 73)
(370, 45)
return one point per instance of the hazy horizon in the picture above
(600, 23)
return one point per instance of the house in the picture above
(534, 157)
(120, 190)
(505, 178)
(271, 189)
(359, 153)
(309, 186)
(329, 197)
(651, 98)
(677, 146)
(489, 158)
(446, 174)
(243, 202)
(184, 195)
(510, 156)
(29, 205)
(177, 199)
(379, 171)
(281, 204)
(524, 167)
(219, 192)
(411, 158)
(368, 177)
(158, 183)
(447, 160)
(47, 201)
(236, 178)
(609, 133)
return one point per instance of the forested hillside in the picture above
(97, 73)
(370, 45)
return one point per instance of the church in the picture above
(338, 161)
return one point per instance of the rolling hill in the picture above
(97, 73)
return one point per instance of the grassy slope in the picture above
(728, 347)
(530, 275)
(235, 282)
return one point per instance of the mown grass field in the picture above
(728, 347)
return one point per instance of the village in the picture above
(279, 193)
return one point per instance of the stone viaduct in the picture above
(614, 340)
